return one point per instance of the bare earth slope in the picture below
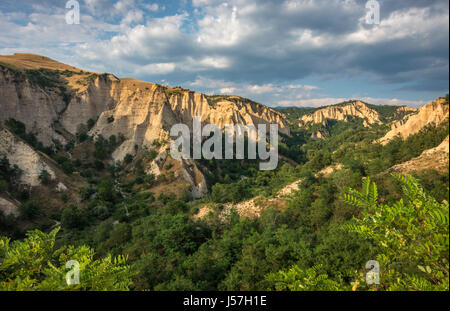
(434, 158)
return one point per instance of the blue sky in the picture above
(279, 53)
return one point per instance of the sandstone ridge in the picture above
(433, 113)
(342, 112)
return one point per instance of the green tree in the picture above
(128, 158)
(73, 217)
(106, 191)
(29, 210)
(413, 235)
(45, 177)
(35, 264)
(296, 279)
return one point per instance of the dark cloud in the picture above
(252, 42)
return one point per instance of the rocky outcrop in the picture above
(405, 110)
(144, 112)
(141, 112)
(327, 171)
(317, 135)
(35, 106)
(342, 112)
(251, 208)
(433, 113)
(434, 158)
(194, 177)
(22, 155)
(185, 169)
(56, 101)
(7, 207)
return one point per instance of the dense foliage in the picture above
(35, 264)
(412, 238)
(320, 237)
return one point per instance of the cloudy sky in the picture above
(277, 52)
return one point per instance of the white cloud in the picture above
(260, 89)
(297, 90)
(203, 82)
(133, 17)
(123, 5)
(303, 87)
(255, 48)
(222, 27)
(152, 7)
(313, 102)
(227, 90)
(157, 68)
(413, 23)
(215, 62)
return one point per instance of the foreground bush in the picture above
(35, 264)
(412, 235)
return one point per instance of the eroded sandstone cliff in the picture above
(20, 154)
(56, 101)
(435, 112)
(342, 112)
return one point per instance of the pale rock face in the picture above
(194, 177)
(287, 190)
(22, 155)
(138, 111)
(144, 113)
(252, 208)
(327, 171)
(60, 187)
(405, 109)
(399, 123)
(35, 107)
(435, 112)
(7, 207)
(100, 96)
(317, 135)
(342, 113)
(157, 163)
(232, 110)
(188, 171)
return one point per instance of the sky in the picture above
(305, 53)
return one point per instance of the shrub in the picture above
(36, 264)
(106, 191)
(64, 197)
(90, 123)
(82, 136)
(3, 184)
(412, 233)
(29, 210)
(45, 177)
(128, 158)
(168, 166)
(99, 165)
(73, 217)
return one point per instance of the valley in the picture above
(88, 154)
